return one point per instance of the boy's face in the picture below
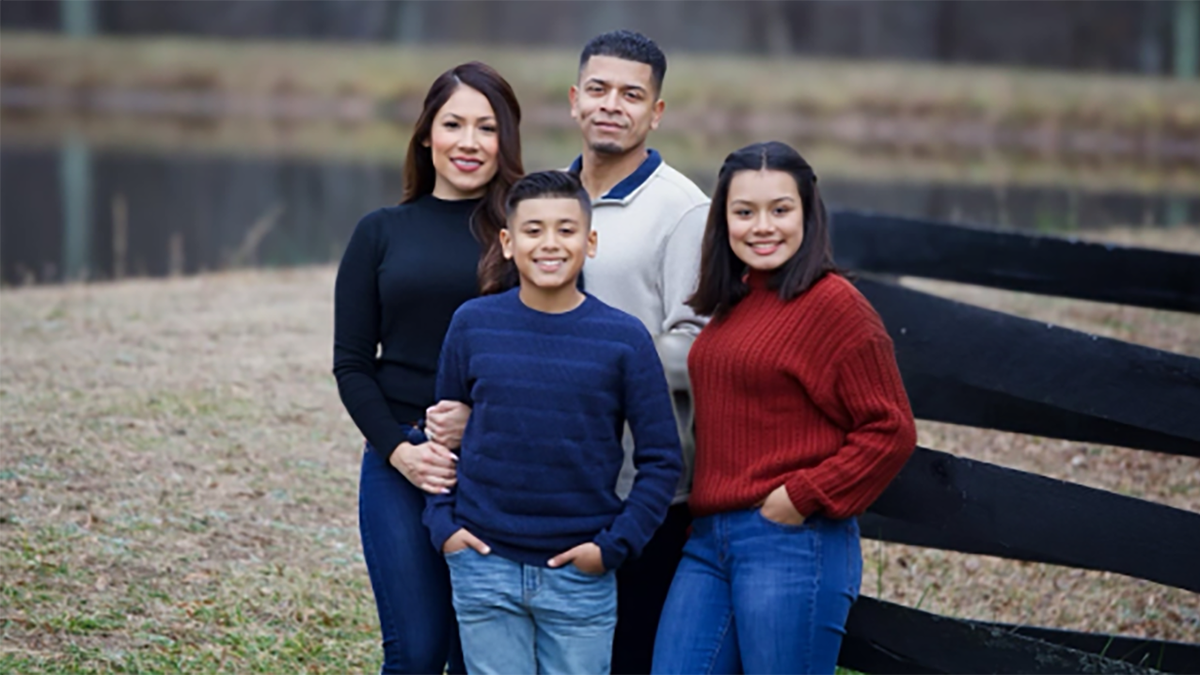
(548, 240)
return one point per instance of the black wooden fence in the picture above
(971, 366)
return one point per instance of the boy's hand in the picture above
(445, 422)
(585, 556)
(461, 540)
(429, 466)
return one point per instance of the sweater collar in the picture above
(629, 186)
(758, 280)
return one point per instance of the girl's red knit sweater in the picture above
(804, 393)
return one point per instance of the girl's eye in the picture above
(451, 125)
(489, 129)
(782, 210)
(742, 213)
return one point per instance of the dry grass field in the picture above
(178, 483)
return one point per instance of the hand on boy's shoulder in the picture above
(587, 558)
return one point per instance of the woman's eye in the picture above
(782, 210)
(490, 129)
(451, 125)
(742, 213)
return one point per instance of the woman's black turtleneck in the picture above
(404, 272)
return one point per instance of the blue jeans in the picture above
(409, 577)
(755, 596)
(516, 618)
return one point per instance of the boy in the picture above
(534, 530)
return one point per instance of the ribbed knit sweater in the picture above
(804, 393)
(550, 395)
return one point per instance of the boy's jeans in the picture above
(516, 618)
(755, 596)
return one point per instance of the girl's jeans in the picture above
(755, 596)
(409, 577)
(516, 618)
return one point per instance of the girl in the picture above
(405, 271)
(801, 422)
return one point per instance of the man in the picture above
(650, 221)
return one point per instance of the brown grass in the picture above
(178, 485)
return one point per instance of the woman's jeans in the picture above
(516, 618)
(755, 596)
(409, 577)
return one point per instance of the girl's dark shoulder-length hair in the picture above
(494, 271)
(721, 284)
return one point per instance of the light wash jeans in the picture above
(516, 618)
(755, 596)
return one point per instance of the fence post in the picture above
(78, 18)
(75, 179)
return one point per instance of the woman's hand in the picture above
(445, 422)
(461, 540)
(429, 466)
(779, 508)
(585, 556)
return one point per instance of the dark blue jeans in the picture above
(755, 596)
(410, 579)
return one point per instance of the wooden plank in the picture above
(882, 637)
(1165, 656)
(948, 502)
(967, 365)
(1020, 262)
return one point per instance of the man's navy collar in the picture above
(633, 181)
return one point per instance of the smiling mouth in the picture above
(549, 264)
(466, 165)
(608, 126)
(765, 247)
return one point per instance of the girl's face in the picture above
(766, 218)
(464, 143)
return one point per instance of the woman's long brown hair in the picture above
(494, 272)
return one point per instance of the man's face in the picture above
(616, 104)
(548, 239)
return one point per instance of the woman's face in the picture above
(766, 218)
(465, 144)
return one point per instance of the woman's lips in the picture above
(466, 165)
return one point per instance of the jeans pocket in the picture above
(787, 527)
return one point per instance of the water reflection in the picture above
(73, 210)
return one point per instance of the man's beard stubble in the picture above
(607, 148)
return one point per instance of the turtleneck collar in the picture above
(759, 280)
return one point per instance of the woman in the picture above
(404, 272)
(801, 422)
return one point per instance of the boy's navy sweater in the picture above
(549, 396)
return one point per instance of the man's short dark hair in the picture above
(549, 185)
(631, 46)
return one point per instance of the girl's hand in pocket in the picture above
(779, 508)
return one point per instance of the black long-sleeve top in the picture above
(405, 271)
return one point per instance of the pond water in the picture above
(75, 209)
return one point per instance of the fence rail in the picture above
(1019, 262)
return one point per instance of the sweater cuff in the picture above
(386, 445)
(609, 554)
(804, 495)
(440, 521)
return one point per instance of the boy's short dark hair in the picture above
(631, 46)
(549, 185)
